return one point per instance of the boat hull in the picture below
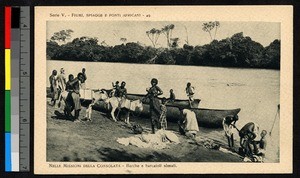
(176, 103)
(88, 94)
(210, 118)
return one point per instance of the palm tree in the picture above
(167, 31)
(207, 27)
(153, 36)
(217, 25)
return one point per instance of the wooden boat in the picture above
(176, 102)
(211, 118)
(88, 94)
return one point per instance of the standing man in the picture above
(53, 87)
(152, 93)
(228, 124)
(83, 79)
(75, 86)
(61, 79)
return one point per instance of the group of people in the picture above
(59, 84)
(188, 124)
(249, 145)
(158, 110)
(119, 91)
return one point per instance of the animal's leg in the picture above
(88, 113)
(113, 114)
(127, 119)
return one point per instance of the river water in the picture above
(255, 91)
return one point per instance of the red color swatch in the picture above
(7, 27)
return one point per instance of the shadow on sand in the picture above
(110, 154)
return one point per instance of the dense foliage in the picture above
(236, 51)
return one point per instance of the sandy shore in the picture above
(96, 141)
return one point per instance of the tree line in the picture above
(235, 51)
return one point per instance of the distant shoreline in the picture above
(237, 51)
(233, 67)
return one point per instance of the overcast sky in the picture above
(135, 31)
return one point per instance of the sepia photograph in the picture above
(160, 91)
(212, 87)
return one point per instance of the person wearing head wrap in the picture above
(152, 93)
(53, 87)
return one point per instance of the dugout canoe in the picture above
(88, 94)
(210, 118)
(176, 102)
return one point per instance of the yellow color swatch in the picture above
(7, 69)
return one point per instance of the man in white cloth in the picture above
(62, 80)
(188, 125)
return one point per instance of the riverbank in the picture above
(95, 141)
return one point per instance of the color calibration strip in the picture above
(7, 26)
(17, 88)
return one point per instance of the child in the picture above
(163, 115)
(172, 96)
(262, 144)
(116, 89)
(88, 112)
(190, 91)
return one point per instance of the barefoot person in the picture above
(188, 124)
(61, 79)
(152, 93)
(53, 87)
(163, 115)
(75, 86)
(228, 124)
(247, 135)
(190, 91)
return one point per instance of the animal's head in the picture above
(139, 105)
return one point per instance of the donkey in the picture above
(115, 103)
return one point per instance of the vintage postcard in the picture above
(163, 90)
